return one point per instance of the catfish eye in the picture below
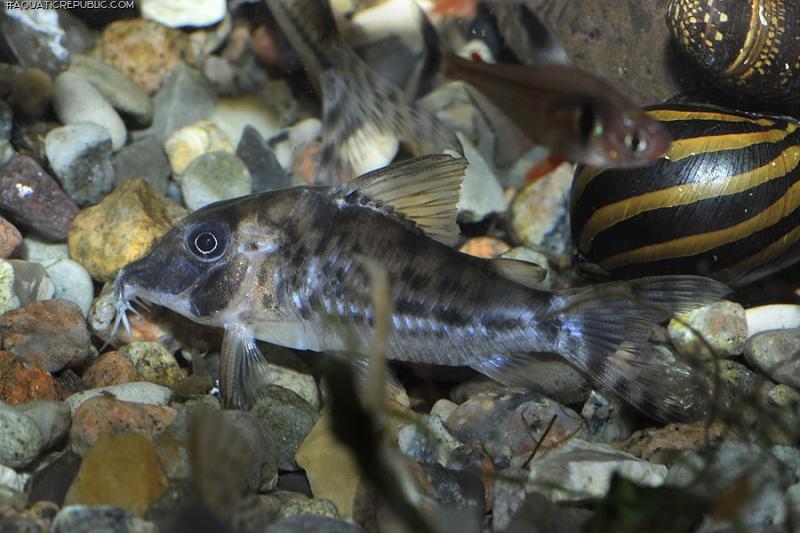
(207, 242)
(635, 142)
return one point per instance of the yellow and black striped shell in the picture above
(749, 48)
(723, 202)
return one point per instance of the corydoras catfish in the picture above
(358, 106)
(290, 267)
(556, 104)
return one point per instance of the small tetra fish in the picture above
(578, 115)
(290, 267)
(556, 104)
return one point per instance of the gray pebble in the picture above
(40, 251)
(607, 419)
(738, 380)
(71, 282)
(579, 470)
(80, 39)
(119, 90)
(144, 159)
(53, 418)
(777, 354)
(35, 38)
(427, 441)
(754, 469)
(539, 213)
(213, 177)
(6, 151)
(78, 518)
(80, 156)
(76, 100)
(137, 392)
(289, 419)
(186, 96)
(716, 330)
(519, 419)
(260, 160)
(262, 471)
(300, 506)
(21, 440)
(783, 396)
(8, 298)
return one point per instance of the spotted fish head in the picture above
(203, 267)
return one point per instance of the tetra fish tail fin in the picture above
(603, 330)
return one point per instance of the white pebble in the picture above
(13, 480)
(72, 282)
(179, 13)
(770, 317)
(76, 100)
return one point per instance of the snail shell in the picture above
(748, 48)
(723, 202)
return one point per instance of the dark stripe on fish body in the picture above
(705, 207)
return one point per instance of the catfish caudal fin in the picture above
(604, 330)
(363, 115)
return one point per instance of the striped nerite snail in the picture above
(723, 202)
(748, 48)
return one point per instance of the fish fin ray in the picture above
(357, 106)
(604, 330)
(523, 272)
(244, 372)
(424, 190)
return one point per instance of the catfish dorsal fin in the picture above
(425, 190)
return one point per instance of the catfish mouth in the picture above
(124, 296)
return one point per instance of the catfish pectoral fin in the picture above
(244, 373)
